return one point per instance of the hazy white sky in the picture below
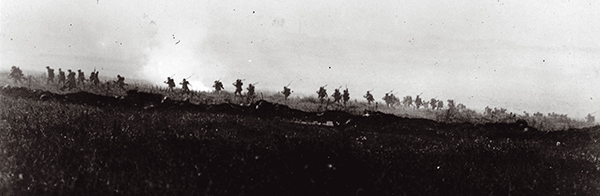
(521, 55)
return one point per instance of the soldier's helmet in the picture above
(184, 79)
(69, 70)
(47, 67)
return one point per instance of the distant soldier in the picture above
(238, 87)
(346, 96)
(251, 93)
(407, 101)
(218, 86)
(389, 100)
(170, 83)
(80, 77)
(433, 103)
(184, 86)
(337, 96)
(70, 80)
(16, 74)
(121, 82)
(61, 76)
(418, 102)
(322, 93)
(286, 92)
(50, 75)
(369, 97)
(440, 104)
(94, 78)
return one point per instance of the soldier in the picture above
(238, 87)
(96, 79)
(387, 100)
(61, 76)
(322, 93)
(250, 93)
(50, 75)
(433, 103)
(218, 86)
(16, 74)
(80, 77)
(170, 83)
(407, 101)
(346, 96)
(121, 82)
(71, 80)
(184, 86)
(369, 97)
(440, 104)
(337, 96)
(418, 102)
(286, 92)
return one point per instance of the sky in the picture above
(520, 55)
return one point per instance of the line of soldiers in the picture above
(70, 80)
(337, 96)
(184, 85)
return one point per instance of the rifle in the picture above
(255, 83)
(171, 76)
(189, 76)
(289, 84)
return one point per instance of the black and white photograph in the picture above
(299, 97)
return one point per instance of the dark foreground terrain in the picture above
(85, 144)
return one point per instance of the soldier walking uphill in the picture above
(346, 96)
(322, 93)
(369, 97)
(251, 94)
(61, 77)
(418, 102)
(171, 83)
(80, 77)
(184, 86)
(16, 74)
(94, 78)
(337, 96)
(218, 86)
(50, 75)
(120, 82)
(70, 84)
(238, 87)
(286, 92)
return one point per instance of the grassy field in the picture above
(56, 148)
(53, 148)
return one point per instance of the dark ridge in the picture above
(268, 110)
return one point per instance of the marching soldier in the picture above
(121, 82)
(250, 93)
(286, 92)
(71, 80)
(50, 75)
(238, 87)
(171, 83)
(16, 74)
(184, 86)
(369, 97)
(80, 77)
(322, 93)
(337, 96)
(61, 76)
(346, 96)
(418, 102)
(218, 86)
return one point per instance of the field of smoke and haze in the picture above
(523, 56)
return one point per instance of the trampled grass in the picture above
(51, 148)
